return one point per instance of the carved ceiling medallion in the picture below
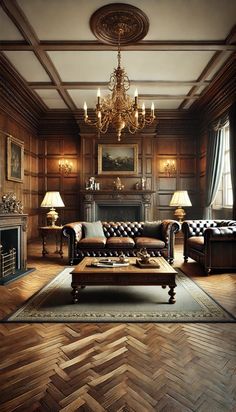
(108, 21)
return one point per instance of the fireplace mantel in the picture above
(91, 200)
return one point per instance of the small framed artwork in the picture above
(15, 159)
(119, 159)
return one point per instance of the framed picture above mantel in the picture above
(116, 159)
(15, 159)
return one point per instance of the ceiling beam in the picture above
(103, 85)
(141, 46)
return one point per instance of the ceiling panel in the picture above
(51, 98)
(149, 65)
(28, 66)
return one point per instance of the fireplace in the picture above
(111, 205)
(13, 246)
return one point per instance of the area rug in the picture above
(53, 303)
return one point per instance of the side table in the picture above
(55, 231)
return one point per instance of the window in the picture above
(224, 196)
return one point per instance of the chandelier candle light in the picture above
(118, 109)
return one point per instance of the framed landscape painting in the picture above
(15, 159)
(114, 159)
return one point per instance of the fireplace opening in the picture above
(123, 213)
(9, 251)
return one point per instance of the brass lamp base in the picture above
(52, 217)
(179, 213)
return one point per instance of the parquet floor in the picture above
(116, 367)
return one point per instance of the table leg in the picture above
(75, 293)
(61, 247)
(44, 251)
(172, 294)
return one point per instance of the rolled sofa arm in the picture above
(169, 228)
(73, 232)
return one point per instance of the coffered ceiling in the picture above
(50, 45)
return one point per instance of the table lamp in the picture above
(180, 198)
(52, 200)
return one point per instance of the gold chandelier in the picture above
(118, 109)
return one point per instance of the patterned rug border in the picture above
(210, 315)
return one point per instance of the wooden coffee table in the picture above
(86, 275)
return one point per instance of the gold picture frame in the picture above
(118, 159)
(15, 159)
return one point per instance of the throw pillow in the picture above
(93, 229)
(152, 229)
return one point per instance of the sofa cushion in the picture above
(120, 242)
(152, 229)
(93, 229)
(92, 242)
(196, 242)
(149, 242)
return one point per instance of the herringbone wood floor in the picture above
(116, 367)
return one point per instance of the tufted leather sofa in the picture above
(212, 243)
(120, 237)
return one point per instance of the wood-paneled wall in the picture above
(26, 192)
(51, 150)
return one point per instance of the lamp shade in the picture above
(52, 199)
(180, 198)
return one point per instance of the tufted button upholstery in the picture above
(126, 237)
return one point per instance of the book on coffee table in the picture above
(108, 263)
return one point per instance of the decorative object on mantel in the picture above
(118, 185)
(170, 168)
(180, 198)
(65, 166)
(10, 204)
(52, 200)
(92, 184)
(114, 24)
(143, 183)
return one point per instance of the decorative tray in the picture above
(147, 265)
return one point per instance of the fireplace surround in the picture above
(116, 205)
(13, 236)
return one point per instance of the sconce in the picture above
(65, 166)
(169, 167)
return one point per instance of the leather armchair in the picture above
(212, 243)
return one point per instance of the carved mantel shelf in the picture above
(90, 199)
(115, 193)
